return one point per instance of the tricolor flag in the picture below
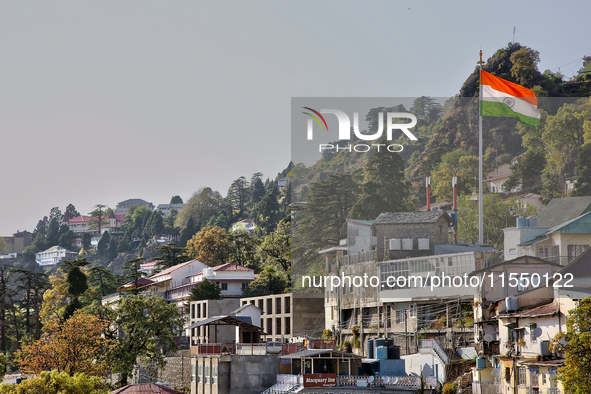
(503, 98)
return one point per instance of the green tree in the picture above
(32, 285)
(268, 212)
(201, 207)
(187, 232)
(258, 189)
(170, 255)
(133, 271)
(527, 172)
(525, 67)
(103, 243)
(101, 217)
(205, 290)
(384, 187)
(242, 248)
(176, 200)
(268, 282)
(457, 163)
(86, 238)
(54, 382)
(583, 182)
(53, 229)
(210, 246)
(238, 195)
(275, 249)
(70, 212)
(102, 279)
(497, 215)
(148, 325)
(321, 222)
(575, 344)
(66, 239)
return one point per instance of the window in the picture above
(214, 374)
(522, 376)
(206, 375)
(399, 316)
(244, 286)
(193, 373)
(224, 286)
(200, 373)
(543, 379)
(575, 250)
(523, 281)
(413, 310)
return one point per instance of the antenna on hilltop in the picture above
(513, 34)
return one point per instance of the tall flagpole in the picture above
(480, 210)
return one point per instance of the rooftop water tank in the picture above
(521, 221)
(382, 352)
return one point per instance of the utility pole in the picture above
(406, 330)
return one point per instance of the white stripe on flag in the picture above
(521, 106)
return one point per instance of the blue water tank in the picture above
(370, 352)
(380, 342)
(382, 352)
(480, 363)
(532, 221)
(521, 222)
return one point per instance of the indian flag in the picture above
(503, 98)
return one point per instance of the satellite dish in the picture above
(488, 338)
(496, 372)
(370, 379)
(538, 332)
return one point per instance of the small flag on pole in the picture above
(500, 97)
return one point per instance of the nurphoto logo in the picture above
(345, 129)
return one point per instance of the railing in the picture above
(285, 384)
(214, 348)
(553, 390)
(486, 388)
(434, 346)
(251, 349)
(429, 382)
(358, 258)
(323, 344)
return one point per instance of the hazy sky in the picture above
(101, 101)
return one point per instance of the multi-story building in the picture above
(285, 317)
(17, 242)
(231, 278)
(167, 209)
(54, 255)
(88, 224)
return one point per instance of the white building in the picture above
(54, 255)
(231, 278)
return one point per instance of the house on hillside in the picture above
(124, 206)
(167, 209)
(18, 242)
(54, 255)
(231, 278)
(560, 244)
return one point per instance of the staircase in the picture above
(291, 384)
(432, 346)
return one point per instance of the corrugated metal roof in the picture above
(542, 310)
(560, 210)
(579, 225)
(410, 217)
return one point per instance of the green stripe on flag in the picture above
(492, 108)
